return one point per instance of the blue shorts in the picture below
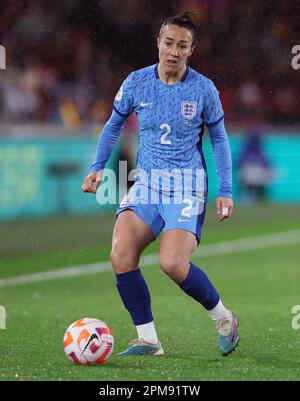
(163, 212)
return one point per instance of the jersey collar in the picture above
(183, 78)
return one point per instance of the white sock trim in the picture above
(219, 312)
(147, 332)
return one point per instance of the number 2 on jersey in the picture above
(163, 139)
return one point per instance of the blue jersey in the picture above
(171, 117)
(171, 122)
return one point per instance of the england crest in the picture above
(188, 110)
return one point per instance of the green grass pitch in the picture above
(261, 286)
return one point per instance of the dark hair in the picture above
(183, 20)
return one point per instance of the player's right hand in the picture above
(91, 182)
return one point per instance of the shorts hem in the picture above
(133, 209)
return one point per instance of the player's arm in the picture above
(222, 156)
(108, 138)
(123, 107)
(214, 120)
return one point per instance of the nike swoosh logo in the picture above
(182, 220)
(93, 337)
(145, 104)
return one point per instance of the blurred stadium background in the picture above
(65, 60)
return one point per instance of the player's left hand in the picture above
(224, 207)
(92, 182)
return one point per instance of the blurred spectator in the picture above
(254, 170)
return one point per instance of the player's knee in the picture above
(174, 266)
(123, 261)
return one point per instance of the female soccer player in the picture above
(172, 103)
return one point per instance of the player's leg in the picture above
(130, 237)
(176, 248)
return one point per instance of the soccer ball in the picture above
(88, 341)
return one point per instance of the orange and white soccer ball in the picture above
(88, 341)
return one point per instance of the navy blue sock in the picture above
(135, 296)
(198, 286)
